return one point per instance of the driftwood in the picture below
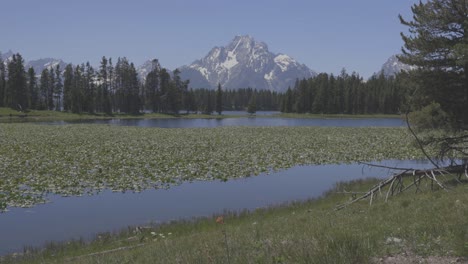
(395, 182)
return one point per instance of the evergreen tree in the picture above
(287, 106)
(2, 82)
(110, 71)
(103, 101)
(89, 103)
(32, 88)
(152, 84)
(209, 104)
(50, 89)
(134, 86)
(58, 88)
(127, 87)
(252, 107)
(77, 90)
(16, 95)
(175, 92)
(190, 103)
(438, 46)
(219, 100)
(44, 88)
(165, 80)
(67, 87)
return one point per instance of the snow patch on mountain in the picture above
(242, 63)
(393, 66)
(231, 61)
(269, 76)
(45, 63)
(283, 61)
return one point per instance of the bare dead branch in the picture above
(396, 182)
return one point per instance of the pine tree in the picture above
(16, 95)
(165, 80)
(219, 100)
(152, 88)
(209, 104)
(58, 88)
(2, 82)
(287, 106)
(89, 103)
(32, 88)
(190, 103)
(67, 87)
(44, 87)
(77, 90)
(177, 89)
(252, 107)
(103, 101)
(134, 87)
(110, 71)
(50, 89)
(438, 46)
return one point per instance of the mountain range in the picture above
(38, 65)
(243, 62)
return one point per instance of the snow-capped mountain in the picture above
(393, 66)
(6, 56)
(147, 67)
(47, 63)
(243, 63)
(38, 65)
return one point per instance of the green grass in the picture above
(431, 223)
(75, 159)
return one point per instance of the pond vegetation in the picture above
(85, 159)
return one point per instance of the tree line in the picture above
(113, 88)
(117, 88)
(344, 94)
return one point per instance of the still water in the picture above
(244, 121)
(66, 218)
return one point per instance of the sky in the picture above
(325, 35)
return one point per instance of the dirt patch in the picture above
(413, 259)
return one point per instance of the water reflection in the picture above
(243, 121)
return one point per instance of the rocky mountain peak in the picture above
(393, 66)
(245, 62)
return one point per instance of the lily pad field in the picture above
(36, 160)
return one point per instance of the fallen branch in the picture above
(398, 179)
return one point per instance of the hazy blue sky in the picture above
(325, 35)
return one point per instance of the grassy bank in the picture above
(411, 226)
(348, 116)
(10, 115)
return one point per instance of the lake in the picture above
(66, 218)
(242, 121)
